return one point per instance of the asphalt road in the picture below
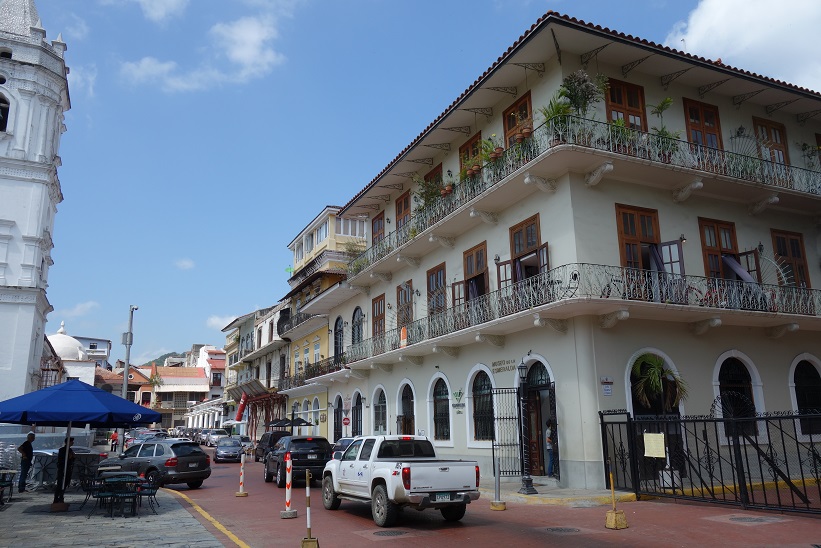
(255, 521)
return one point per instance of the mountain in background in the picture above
(161, 359)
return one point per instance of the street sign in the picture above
(346, 421)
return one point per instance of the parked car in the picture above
(202, 435)
(228, 449)
(247, 443)
(166, 461)
(143, 436)
(306, 453)
(214, 436)
(340, 446)
(267, 442)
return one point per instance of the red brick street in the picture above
(255, 521)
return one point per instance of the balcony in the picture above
(323, 367)
(611, 292)
(638, 155)
(301, 324)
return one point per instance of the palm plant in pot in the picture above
(584, 92)
(555, 114)
(667, 140)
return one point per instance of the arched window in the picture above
(339, 341)
(315, 418)
(441, 413)
(537, 375)
(356, 416)
(736, 391)
(405, 421)
(807, 382)
(380, 414)
(337, 418)
(4, 113)
(357, 322)
(482, 395)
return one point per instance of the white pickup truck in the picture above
(390, 472)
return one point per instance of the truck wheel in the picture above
(384, 511)
(280, 476)
(454, 513)
(267, 476)
(329, 499)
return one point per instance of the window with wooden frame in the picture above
(404, 304)
(469, 152)
(378, 315)
(518, 117)
(703, 127)
(437, 288)
(720, 249)
(475, 268)
(638, 232)
(528, 256)
(403, 210)
(626, 102)
(772, 137)
(434, 176)
(789, 252)
(378, 227)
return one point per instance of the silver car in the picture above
(214, 436)
(228, 449)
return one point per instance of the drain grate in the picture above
(562, 530)
(748, 520)
(389, 533)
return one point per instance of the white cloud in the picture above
(184, 264)
(80, 309)
(158, 11)
(78, 30)
(218, 322)
(245, 42)
(755, 35)
(82, 79)
(147, 69)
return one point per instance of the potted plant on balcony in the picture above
(584, 92)
(555, 114)
(620, 136)
(427, 190)
(810, 153)
(667, 141)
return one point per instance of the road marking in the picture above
(207, 516)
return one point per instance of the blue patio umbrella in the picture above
(74, 402)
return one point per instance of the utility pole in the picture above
(128, 340)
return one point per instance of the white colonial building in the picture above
(33, 97)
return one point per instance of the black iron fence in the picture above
(769, 461)
(507, 449)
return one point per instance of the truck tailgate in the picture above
(442, 475)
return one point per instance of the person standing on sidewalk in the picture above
(114, 440)
(27, 455)
(64, 452)
(548, 445)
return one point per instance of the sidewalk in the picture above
(28, 521)
(548, 492)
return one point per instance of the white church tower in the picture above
(33, 98)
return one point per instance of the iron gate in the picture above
(506, 427)
(769, 461)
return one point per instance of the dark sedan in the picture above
(228, 449)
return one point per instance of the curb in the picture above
(558, 500)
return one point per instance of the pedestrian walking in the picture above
(114, 441)
(27, 455)
(548, 445)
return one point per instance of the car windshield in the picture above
(228, 442)
(219, 433)
(186, 449)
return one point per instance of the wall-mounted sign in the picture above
(500, 366)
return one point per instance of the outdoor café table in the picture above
(123, 486)
(7, 482)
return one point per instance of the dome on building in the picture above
(68, 348)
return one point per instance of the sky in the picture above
(204, 135)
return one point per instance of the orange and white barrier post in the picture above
(289, 512)
(309, 541)
(241, 492)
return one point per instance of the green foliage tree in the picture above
(653, 381)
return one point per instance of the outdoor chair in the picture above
(149, 491)
(101, 493)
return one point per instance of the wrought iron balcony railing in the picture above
(571, 130)
(323, 367)
(590, 281)
(293, 321)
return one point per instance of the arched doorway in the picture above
(337, 418)
(339, 341)
(405, 421)
(541, 408)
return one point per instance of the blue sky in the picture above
(204, 134)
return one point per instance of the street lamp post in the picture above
(527, 481)
(128, 339)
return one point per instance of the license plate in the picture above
(442, 497)
(312, 456)
(193, 465)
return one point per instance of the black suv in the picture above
(267, 442)
(169, 461)
(306, 453)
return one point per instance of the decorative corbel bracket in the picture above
(452, 351)
(352, 373)
(594, 177)
(606, 321)
(386, 367)
(444, 241)
(408, 260)
(415, 360)
(487, 216)
(757, 207)
(779, 331)
(366, 289)
(383, 276)
(701, 327)
(545, 185)
(557, 325)
(495, 340)
(681, 194)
